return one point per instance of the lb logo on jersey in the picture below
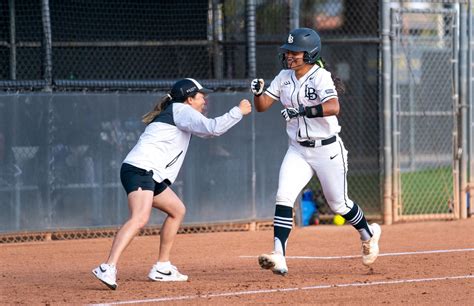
(290, 39)
(310, 93)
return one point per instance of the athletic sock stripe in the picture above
(281, 225)
(283, 218)
(283, 222)
(357, 218)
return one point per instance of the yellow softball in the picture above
(338, 220)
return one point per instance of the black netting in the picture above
(24, 61)
(127, 40)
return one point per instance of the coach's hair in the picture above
(340, 87)
(161, 105)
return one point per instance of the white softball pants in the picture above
(328, 162)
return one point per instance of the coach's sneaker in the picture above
(106, 274)
(274, 261)
(166, 273)
(370, 248)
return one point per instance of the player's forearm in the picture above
(262, 102)
(328, 108)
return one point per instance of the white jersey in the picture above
(314, 88)
(164, 143)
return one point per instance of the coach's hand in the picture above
(245, 107)
(257, 86)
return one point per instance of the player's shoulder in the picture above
(285, 74)
(322, 74)
(181, 110)
(321, 71)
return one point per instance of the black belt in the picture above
(312, 143)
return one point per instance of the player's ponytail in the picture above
(161, 105)
(340, 87)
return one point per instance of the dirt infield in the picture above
(421, 263)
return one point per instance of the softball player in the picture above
(310, 99)
(153, 165)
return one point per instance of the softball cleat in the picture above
(274, 261)
(166, 274)
(370, 248)
(107, 274)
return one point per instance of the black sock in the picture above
(356, 217)
(282, 224)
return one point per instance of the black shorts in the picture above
(133, 178)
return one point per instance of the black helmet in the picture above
(304, 39)
(186, 88)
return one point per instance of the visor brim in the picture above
(205, 90)
(288, 47)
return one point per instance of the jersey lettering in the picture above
(310, 93)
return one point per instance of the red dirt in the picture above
(59, 272)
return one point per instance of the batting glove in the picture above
(257, 86)
(290, 113)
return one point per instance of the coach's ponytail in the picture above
(340, 87)
(160, 106)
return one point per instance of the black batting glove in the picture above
(291, 112)
(257, 86)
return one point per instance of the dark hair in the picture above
(340, 87)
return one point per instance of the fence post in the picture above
(217, 38)
(251, 39)
(252, 73)
(387, 115)
(47, 45)
(464, 126)
(470, 80)
(11, 4)
(294, 6)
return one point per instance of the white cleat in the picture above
(168, 274)
(274, 261)
(370, 248)
(107, 274)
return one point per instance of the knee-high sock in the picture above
(356, 217)
(282, 224)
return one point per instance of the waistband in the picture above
(317, 143)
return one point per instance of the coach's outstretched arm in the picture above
(262, 102)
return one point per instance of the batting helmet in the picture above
(306, 40)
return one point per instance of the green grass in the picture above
(426, 191)
(422, 192)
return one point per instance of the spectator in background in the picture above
(153, 165)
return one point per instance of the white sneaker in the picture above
(274, 261)
(106, 274)
(370, 248)
(168, 274)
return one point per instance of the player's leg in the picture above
(331, 169)
(295, 173)
(167, 201)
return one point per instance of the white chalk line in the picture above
(264, 291)
(380, 255)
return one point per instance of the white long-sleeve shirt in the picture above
(164, 143)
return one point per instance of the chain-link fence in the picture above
(425, 111)
(125, 46)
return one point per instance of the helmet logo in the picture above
(290, 39)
